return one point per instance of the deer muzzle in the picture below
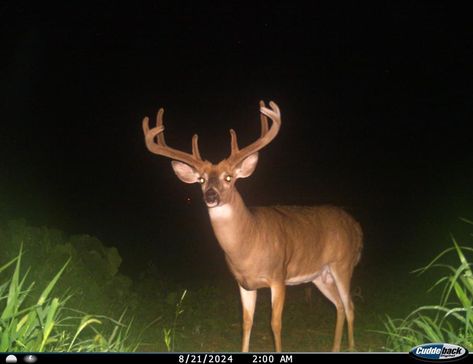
(211, 197)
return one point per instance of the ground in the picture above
(211, 321)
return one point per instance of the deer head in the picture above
(217, 180)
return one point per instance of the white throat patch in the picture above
(221, 212)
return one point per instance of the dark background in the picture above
(376, 101)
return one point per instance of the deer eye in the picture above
(228, 178)
(201, 180)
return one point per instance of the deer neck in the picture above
(230, 222)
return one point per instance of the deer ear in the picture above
(185, 172)
(247, 166)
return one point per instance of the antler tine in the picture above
(234, 142)
(159, 122)
(264, 120)
(267, 134)
(195, 147)
(150, 134)
(161, 148)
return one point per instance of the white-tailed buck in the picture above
(270, 246)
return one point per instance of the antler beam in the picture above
(161, 148)
(267, 134)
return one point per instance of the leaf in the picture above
(51, 284)
(50, 322)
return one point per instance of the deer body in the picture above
(270, 246)
(291, 257)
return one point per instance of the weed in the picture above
(451, 320)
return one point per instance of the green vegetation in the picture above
(46, 325)
(451, 320)
(66, 293)
(83, 305)
(170, 334)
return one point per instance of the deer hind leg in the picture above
(248, 302)
(342, 275)
(326, 284)
(278, 292)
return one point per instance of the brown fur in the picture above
(269, 246)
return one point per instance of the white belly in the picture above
(305, 278)
(302, 279)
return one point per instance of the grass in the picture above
(48, 325)
(207, 315)
(451, 320)
(212, 321)
(169, 334)
(203, 318)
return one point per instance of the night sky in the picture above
(376, 104)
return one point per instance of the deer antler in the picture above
(267, 134)
(161, 148)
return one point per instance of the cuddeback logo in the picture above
(439, 352)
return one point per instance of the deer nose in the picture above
(211, 197)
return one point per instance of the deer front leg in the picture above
(248, 301)
(278, 292)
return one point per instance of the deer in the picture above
(274, 246)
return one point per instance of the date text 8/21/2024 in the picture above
(229, 358)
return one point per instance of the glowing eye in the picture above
(201, 180)
(228, 178)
